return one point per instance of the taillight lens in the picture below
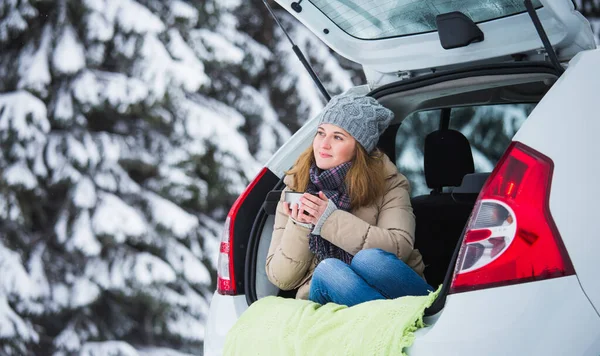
(225, 265)
(225, 282)
(511, 236)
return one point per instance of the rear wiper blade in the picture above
(542, 33)
(300, 55)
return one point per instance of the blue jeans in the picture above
(372, 274)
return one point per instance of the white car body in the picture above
(558, 316)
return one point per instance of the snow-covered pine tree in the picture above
(127, 129)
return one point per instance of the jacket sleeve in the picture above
(289, 257)
(394, 231)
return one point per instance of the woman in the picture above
(351, 238)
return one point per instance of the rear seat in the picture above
(469, 188)
(441, 217)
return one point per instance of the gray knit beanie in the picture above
(361, 116)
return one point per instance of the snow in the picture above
(185, 263)
(107, 348)
(150, 269)
(107, 8)
(211, 235)
(33, 64)
(133, 17)
(156, 67)
(181, 52)
(170, 216)
(38, 277)
(128, 15)
(106, 181)
(179, 177)
(160, 351)
(60, 294)
(68, 57)
(76, 151)
(180, 9)
(208, 119)
(56, 161)
(219, 47)
(111, 150)
(91, 149)
(513, 116)
(121, 92)
(481, 161)
(130, 271)
(113, 217)
(85, 194)
(39, 167)
(63, 106)
(126, 45)
(94, 88)
(410, 159)
(316, 52)
(126, 184)
(23, 114)
(60, 229)
(229, 5)
(310, 99)
(189, 300)
(257, 104)
(83, 293)
(260, 54)
(15, 20)
(19, 175)
(185, 325)
(98, 28)
(20, 287)
(9, 208)
(82, 237)
(15, 279)
(12, 325)
(68, 340)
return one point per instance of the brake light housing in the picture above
(226, 282)
(511, 237)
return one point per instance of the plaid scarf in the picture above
(331, 183)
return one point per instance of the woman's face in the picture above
(333, 146)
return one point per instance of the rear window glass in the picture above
(488, 128)
(376, 19)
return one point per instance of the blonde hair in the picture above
(365, 180)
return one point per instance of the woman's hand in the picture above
(314, 205)
(296, 213)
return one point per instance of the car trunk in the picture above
(475, 85)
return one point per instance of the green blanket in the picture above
(279, 326)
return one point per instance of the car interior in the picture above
(448, 165)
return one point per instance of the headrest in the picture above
(448, 158)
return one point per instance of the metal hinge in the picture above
(404, 74)
(542, 51)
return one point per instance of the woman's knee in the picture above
(371, 257)
(327, 268)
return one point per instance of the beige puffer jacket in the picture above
(388, 224)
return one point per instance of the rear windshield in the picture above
(377, 19)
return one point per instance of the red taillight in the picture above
(225, 266)
(511, 236)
